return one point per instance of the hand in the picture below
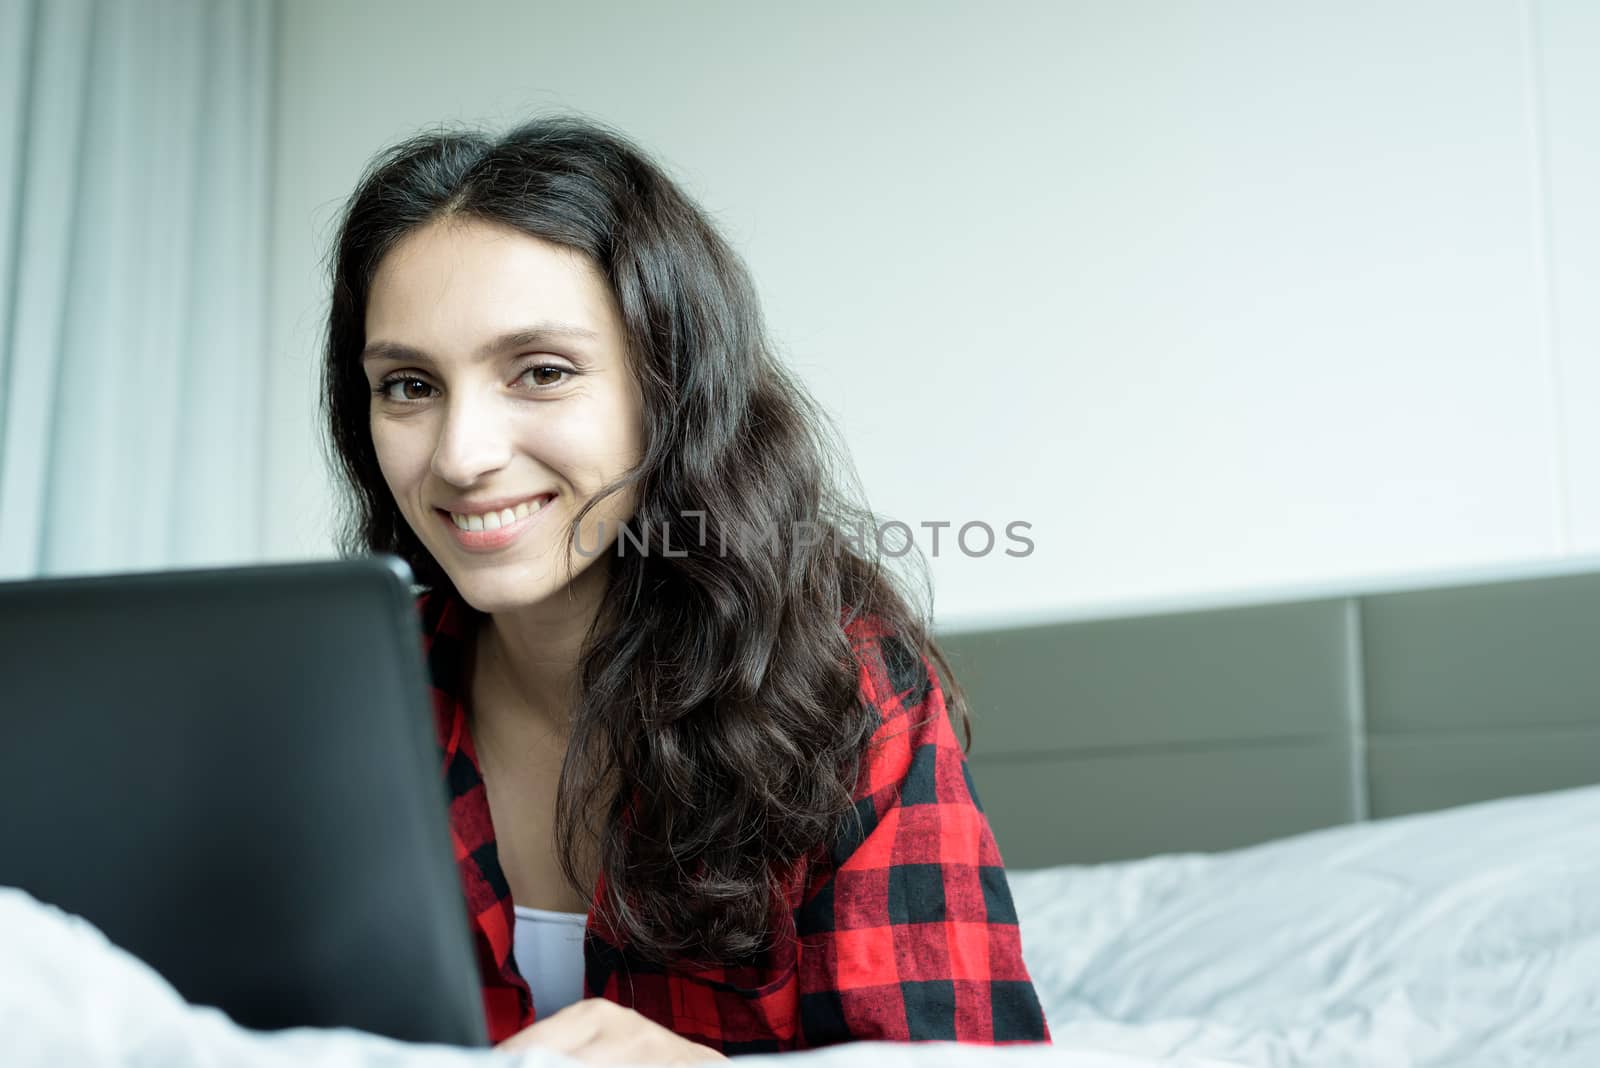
(598, 1031)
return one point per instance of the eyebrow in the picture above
(542, 334)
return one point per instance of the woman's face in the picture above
(501, 402)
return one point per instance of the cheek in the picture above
(402, 455)
(589, 448)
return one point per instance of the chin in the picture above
(486, 595)
(508, 587)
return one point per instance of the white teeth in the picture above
(496, 520)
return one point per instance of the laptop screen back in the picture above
(233, 774)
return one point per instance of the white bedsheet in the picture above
(1465, 937)
(1468, 937)
(70, 999)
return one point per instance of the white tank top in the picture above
(549, 951)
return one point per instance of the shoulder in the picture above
(444, 617)
(435, 610)
(446, 633)
(913, 754)
(894, 676)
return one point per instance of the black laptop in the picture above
(233, 774)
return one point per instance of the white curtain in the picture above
(134, 162)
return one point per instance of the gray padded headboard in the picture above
(1206, 729)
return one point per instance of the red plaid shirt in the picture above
(903, 929)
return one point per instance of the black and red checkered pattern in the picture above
(902, 930)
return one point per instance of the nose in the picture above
(473, 442)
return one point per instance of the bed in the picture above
(1464, 937)
(1335, 826)
(1351, 826)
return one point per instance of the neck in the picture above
(528, 660)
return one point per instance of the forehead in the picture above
(453, 282)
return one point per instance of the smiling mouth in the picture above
(494, 520)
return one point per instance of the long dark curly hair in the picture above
(719, 731)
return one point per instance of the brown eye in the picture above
(545, 375)
(410, 389)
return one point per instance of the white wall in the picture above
(1218, 296)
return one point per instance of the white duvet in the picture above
(1464, 937)
(1468, 937)
(70, 999)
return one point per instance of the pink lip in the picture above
(488, 541)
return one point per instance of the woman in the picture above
(702, 771)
